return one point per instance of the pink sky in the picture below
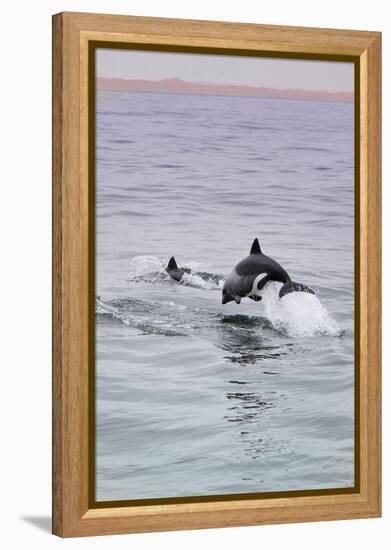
(181, 86)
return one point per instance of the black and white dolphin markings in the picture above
(250, 276)
(174, 271)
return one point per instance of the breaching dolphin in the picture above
(250, 276)
(174, 271)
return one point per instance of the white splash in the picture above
(150, 269)
(298, 314)
(146, 268)
(196, 281)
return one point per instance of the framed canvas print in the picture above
(216, 274)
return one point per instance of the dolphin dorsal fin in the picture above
(255, 248)
(172, 264)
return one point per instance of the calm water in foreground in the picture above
(197, 398)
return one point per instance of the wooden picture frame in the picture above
(74, 514)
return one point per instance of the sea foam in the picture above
(297, 314)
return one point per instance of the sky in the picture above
(331, 76)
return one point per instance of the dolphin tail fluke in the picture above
(172, 264)
(291, 286)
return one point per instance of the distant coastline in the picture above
(176, 85)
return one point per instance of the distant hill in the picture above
(176, 85)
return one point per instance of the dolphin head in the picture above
(228, 294)
(230, 298)
(226, 297)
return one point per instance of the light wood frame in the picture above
(72, 32)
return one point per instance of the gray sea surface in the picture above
(195, 397)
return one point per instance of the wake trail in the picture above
(151, 269)
(296, 315)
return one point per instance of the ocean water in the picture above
(197, 398)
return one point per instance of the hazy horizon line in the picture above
(178, 85)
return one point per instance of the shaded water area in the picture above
(197, 398)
